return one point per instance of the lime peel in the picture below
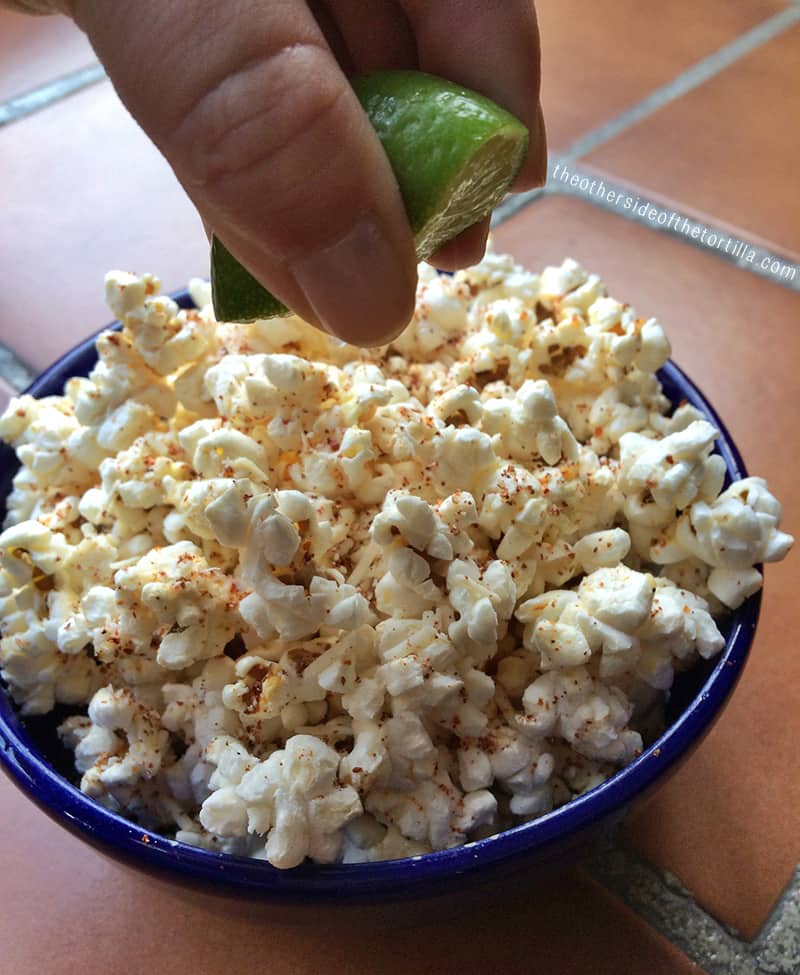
(454, 153)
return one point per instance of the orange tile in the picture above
(599, 59)
(723, 824)
(728, 148)
(593, 66)
(35, 50)
(82, 190)
(67, 909)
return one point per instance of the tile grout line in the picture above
(12, 369)
(737, 250)
(686, 81)
(15, 372)
(778, 942)
(670, 910)
(516, 202)
(683, 83)
(661, 900)
(38, 98)
(746, 255)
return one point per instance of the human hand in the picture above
(249, 103)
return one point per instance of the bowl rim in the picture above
(246, 875)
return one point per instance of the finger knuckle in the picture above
(258, 118)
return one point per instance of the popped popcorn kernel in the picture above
(316, 602)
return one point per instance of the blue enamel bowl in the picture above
(32, 756)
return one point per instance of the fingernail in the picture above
(541, 137)
(359, 287)
(534, 172)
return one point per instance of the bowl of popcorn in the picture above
(302, 621)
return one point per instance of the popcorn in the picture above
(657, 477)
(294, 797)
(366, 840)
(167, 338)
(196, 711)
(435, 812)
(631, 340)
(587, 714)
(413, 522)
(558, 281)
(50, 443)
(603, 549)
(737, 529)
(38, 674)
(120, 376)
(224, 813)
(529, 425)
(522, 767)
(334, 604)
(264, 690)
(368, 761)
(618, 597)
(464, 459)
(484, 600)
(224, 452)
(638, 624)
(441, 314)
(114, 763)
(407, 588)
(679, 626)
(189, 602)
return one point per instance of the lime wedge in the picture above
(454, 154)
(236, 294)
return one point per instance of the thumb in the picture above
(253, 113)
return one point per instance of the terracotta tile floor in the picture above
(722, 823)
(35, 50)
(601, 58)
(112, 201)
(728, 148)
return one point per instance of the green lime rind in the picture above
(454, 154)
(236, 295)
(430, 129)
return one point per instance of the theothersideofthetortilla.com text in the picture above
(622, 199)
